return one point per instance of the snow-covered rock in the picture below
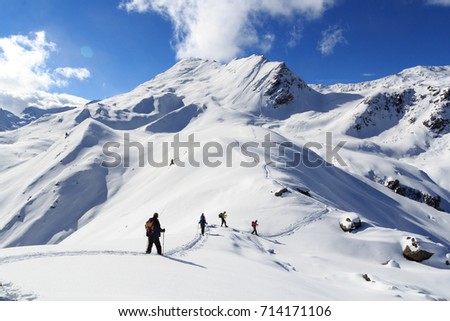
(414, 252)
(350, 222)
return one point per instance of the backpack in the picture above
(149, 227)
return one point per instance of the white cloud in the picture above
(23, 69)
(223, 29)
(78, 73)
(22, 63)
(439, 2)
(331, 37)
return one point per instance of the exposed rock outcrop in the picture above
(414, 194)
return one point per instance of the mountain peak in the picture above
(252, 84)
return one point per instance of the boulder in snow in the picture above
(281, 192)
(367, 278)
(414, 252)
(350, 222)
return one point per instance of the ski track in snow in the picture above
(311, 218)
(24, 257)
(194, 244)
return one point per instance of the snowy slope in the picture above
(67, 217)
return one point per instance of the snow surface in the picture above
(72, 229)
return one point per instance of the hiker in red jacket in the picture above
(254, 225)
(153, 228)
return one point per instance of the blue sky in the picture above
(99, 48)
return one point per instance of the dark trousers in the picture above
(223, 222)
(254, 231)
(154, 240)
(203, 228)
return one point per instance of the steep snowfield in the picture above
(71, 228)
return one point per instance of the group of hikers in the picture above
(153, 230)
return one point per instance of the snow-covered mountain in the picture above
(375, 152)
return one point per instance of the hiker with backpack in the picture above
(223, 216)
(153, 229)
(202, 223)
(254, 225)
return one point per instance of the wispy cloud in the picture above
(368, 74)
(267, 42)
(439, 2)
(331, 37)
(23, 69)
(224, 29)
(295, 35)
